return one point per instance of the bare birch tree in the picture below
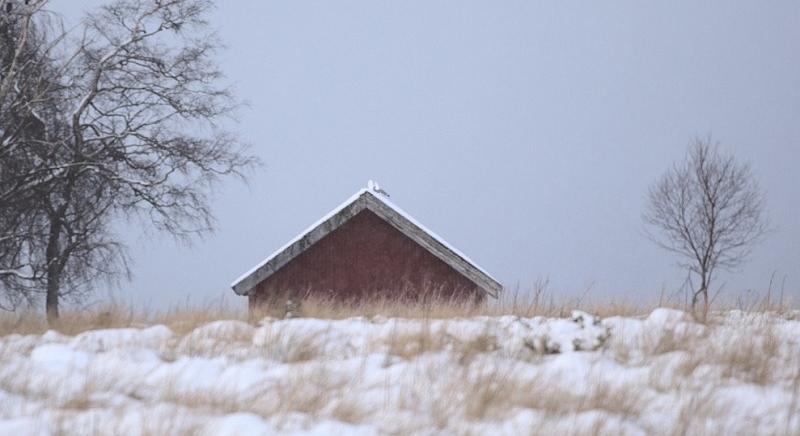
(135, 134)
(26, 91)
(708, 210)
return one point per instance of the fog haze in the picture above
(525, 133)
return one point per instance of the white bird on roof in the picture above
(373, 186)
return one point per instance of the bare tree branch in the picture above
(123, 122)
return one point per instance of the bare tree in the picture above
(26, 92)
(134, 134)
(34, 172)
(708, 209)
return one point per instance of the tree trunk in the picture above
(51, 302)
(53, 273)
(705, 304)
(702, 292)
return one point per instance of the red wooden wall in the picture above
(365, 258)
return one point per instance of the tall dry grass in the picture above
(538, 300)
(180, 318)
(473, 386)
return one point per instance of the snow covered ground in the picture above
(659, 374)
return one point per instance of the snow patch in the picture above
(484, 375)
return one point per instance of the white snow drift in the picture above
(661, 374)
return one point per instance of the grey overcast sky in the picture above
(525, 133)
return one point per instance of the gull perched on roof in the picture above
(373, 186)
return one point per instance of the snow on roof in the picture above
(441, 240)
(300, 236)
(248, 280)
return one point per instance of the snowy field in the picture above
(662, 374)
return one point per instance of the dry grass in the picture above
(750, 360)
(184, 318)
(181, 319)
(527, 303)
(474, 386)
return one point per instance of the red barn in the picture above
(367, 248)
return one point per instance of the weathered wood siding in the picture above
(366, 258)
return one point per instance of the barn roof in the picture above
(370, 199)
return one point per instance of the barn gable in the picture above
(380, 205)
